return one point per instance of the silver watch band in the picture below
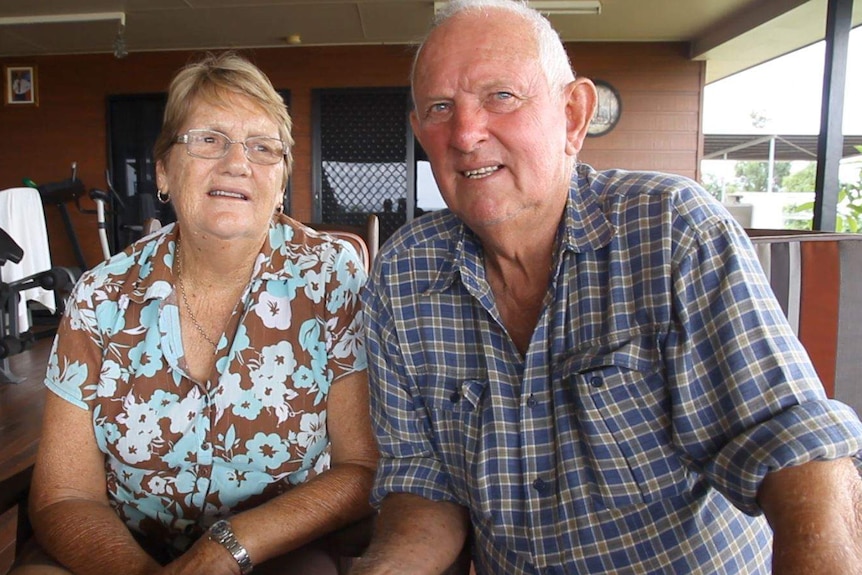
(222, 533)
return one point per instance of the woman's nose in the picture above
(236, 155)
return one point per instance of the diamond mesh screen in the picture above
(363, 157)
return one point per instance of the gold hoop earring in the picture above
(163, 197)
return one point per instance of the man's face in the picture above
(495, 133)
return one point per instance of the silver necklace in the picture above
(192, 317)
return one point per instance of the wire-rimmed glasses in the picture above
(212, 145)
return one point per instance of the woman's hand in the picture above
(335, 498)
(205, 556)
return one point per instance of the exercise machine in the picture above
(12, 341)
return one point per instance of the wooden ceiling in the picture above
(731, 35)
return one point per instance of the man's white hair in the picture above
(553, 59)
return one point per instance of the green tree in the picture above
(848, 217)
(752, 176)
(801, 181)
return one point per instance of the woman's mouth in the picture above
(227, 194)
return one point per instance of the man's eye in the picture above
(502, 101)
(438, 108)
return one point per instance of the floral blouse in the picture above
(179, 453)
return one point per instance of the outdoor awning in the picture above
(755, 147)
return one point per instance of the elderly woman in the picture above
(208, 406)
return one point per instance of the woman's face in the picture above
(230, 197)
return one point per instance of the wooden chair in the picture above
(366, 239)
(351, 541)
(151, 225)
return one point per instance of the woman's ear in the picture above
(161, 176)
(580, 96)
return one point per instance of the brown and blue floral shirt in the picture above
(179, 453)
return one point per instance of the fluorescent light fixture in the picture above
(556, 7)
(568, 7)
(63, 18)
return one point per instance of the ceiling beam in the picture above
(745, 20)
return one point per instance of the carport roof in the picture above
(755, 147)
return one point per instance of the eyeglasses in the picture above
(212, 145)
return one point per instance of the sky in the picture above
(786, 90)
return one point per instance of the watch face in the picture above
(608, 109)
(219, 528)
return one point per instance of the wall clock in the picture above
(608, 109)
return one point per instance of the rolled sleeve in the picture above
(747, 398)
(408, 461)
(814, 430)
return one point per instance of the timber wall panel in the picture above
(661, 92)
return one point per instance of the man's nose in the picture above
(469, 128)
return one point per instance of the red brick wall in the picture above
(661, 93)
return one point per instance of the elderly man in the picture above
(584, 372)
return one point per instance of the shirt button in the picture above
(531, 401)
(540, 486)
(597, 381)
(205, 446)
(455, 397)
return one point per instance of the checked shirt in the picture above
(661, 384)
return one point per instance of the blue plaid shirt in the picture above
(661, 385)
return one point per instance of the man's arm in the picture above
(815, 511)
(415, 535)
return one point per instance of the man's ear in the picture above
(414, 124)
(580, 96)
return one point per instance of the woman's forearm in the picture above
(89, 538)
(308, 511)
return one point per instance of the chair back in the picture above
(366, 239)
(151, 226)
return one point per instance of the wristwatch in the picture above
(221, 533)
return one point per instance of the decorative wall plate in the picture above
(608, 109)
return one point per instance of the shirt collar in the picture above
(584, 228)
(156, 258)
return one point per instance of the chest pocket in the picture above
(456, 412)
(623, 424)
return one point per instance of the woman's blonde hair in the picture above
(214, 79)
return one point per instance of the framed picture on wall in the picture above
(21, 85)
